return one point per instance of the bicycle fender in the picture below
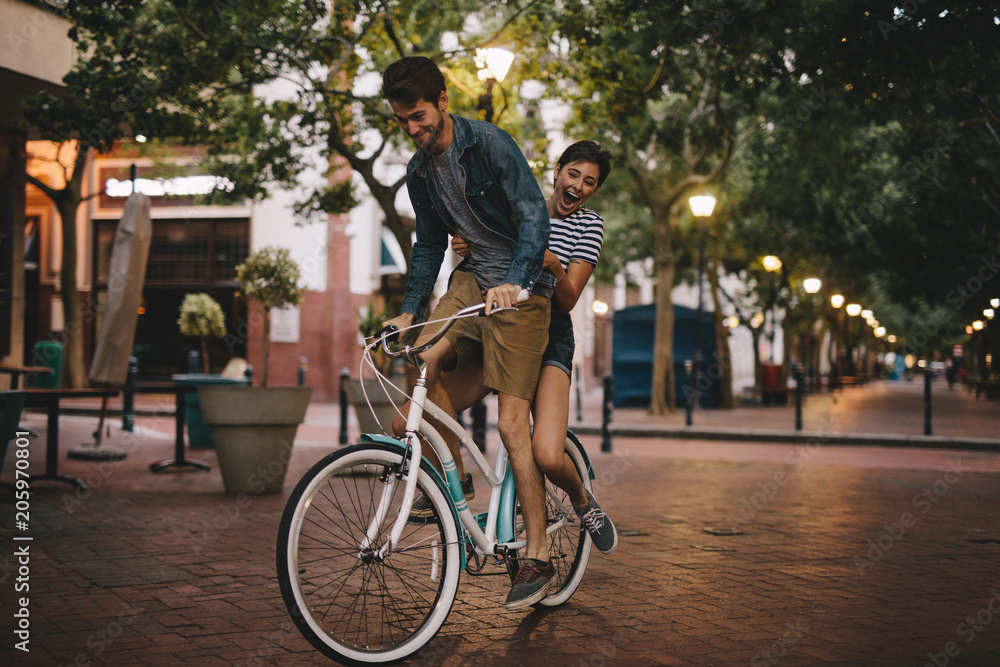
(583, 451)
(505, 518)
(392, 443)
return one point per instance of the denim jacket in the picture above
(502, 192)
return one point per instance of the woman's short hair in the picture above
(411, 79)
(588, 151)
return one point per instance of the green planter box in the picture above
(199, 435)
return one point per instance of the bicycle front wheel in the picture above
(569, 543)
(348, 602)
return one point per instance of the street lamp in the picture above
(771, 263)
(493, 64)
(837, 365)
(812, 285)
(702, 207)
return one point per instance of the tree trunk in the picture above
(757, 371)
(265, 347)
(205, 366)
(67, 204)
(76, 375)
(722, 357)
(664, 398)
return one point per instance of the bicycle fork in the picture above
(410, 466)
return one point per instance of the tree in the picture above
(183, 72)
(671, 110)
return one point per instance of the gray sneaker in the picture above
(602, 530)
(422, 508)
(531, 584)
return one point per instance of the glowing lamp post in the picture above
(493, 64)
(702, 207)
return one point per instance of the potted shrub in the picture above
(200, 317)
(369, 324)
(254, 427)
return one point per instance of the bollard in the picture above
(128, 395)
(927, 402)
(579, 398)
(688, 392)
(193, 361)
(479, 425)
(609, 394)
(799, 381)
(345, 375)
(303, 367)
(248, 375)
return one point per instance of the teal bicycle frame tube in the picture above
(396, 444)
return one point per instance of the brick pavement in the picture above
(845, 555)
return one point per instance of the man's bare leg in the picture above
(515, 430)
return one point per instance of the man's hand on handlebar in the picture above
(401, 321)
(502, 296)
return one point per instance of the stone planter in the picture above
(199, 435)
(253, 429)
(384, 409)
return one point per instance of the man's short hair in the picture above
(588, 151)
(411, 79)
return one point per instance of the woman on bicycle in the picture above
(574, 247)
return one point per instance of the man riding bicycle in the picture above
(469, 178)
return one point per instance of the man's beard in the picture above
(433, 136)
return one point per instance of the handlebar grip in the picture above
(390, 333)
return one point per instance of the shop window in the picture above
(183, 253)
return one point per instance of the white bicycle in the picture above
(366, 583)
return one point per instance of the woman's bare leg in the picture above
(551, 409)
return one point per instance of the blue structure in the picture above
(632, 359)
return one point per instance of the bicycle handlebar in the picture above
(391, 333)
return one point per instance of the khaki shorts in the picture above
(509, 345)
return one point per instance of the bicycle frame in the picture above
(499, 529)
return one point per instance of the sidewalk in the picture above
(838, 555)
(886, 413)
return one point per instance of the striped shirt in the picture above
(579, 236)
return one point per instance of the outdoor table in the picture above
(49, 399)
(15, 370)
(179, 461)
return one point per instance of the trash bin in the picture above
(772, 387)
(48, 353)
(199, 434)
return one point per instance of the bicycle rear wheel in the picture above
(349, 603)
(570, 544)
